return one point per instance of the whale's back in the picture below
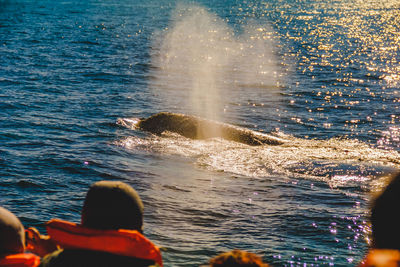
(198, 128)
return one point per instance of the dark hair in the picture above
(12, 233)
(237, 258)
(384, 218)
(112, 205)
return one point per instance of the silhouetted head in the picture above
(12, 233)
(384, 217)
(237, 258)
(112, 205)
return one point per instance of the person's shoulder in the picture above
(87, 258)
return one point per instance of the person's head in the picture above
(237, 258)
(12, 233)
(384, 218)
(112, 205)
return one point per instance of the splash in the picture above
(338, 162)
(200, 64)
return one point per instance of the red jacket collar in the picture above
(20, 260)
(129, 243)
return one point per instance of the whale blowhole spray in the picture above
(200, 63)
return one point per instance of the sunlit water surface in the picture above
(323, 75)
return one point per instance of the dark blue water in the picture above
(322, 74)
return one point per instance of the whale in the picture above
(198, 128)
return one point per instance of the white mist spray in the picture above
(200, 64)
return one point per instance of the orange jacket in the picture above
(381, 258)
(20, 260)
(122, 242)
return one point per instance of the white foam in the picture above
(337, 161)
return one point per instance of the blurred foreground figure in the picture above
(12, 242)
(237, 258)
(381, 258)
(385, 222)
(110, 233)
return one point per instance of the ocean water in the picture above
(323, 75)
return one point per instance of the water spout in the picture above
(201, 64)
